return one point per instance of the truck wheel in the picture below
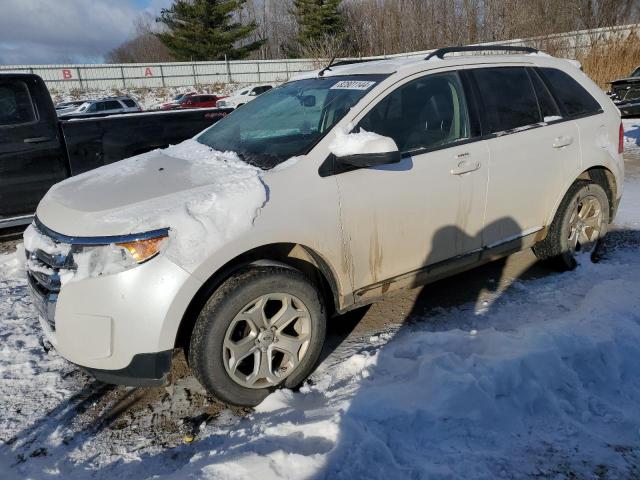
(579, 225)
(263, 328)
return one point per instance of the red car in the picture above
(199, 101)
(173, 104)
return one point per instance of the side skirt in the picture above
(446, 268)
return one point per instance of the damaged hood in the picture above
(188, 188)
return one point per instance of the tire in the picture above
(568, 235)
(232, 321)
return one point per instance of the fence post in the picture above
(162, 76)
(80, 77)
(258, 65)
(193, 70)
(124, 84)
(226, 61)
(286, 67)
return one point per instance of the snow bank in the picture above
(545, 385)
(346, 143)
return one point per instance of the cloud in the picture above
(67, 31)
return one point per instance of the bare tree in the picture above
(144, 47)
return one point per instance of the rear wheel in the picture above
(262, 329)
(579, 225)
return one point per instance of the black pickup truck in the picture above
(625, 93)
(37, 149)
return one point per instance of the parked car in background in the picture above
(38, 149)
(173, 104)
(390, 174)
(66, 107)
(199, 101)
(243, 96)
(625, 93)
(106, 106)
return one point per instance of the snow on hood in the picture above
(205, 197)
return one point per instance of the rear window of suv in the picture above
(508, 98)
(571, 96)
(129, 103)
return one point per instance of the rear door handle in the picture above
(37, 139)
(466, 166)
(562, 141)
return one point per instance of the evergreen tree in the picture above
(206, 30)
(318, 20)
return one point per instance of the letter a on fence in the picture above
(148, 72)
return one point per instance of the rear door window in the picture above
(129, 103)
(571, 96)
(426, 113)
(112, 105)
(16, 106)
(508, 98)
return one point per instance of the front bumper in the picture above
(121, 327)
(145, 370)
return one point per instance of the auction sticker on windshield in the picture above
(352, 85)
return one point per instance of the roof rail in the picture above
(354, 60)
(441, 52)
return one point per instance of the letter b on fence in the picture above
(66, 74)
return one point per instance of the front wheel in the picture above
(261, 329)
(579, 225)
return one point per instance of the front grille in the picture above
(43, 275)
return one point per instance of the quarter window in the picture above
(548, 108)
(15, 104)
(575, 100)
(508, 98)
(425, 113)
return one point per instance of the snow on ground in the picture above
(541, 383)
(631, 133)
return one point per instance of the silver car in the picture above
(104, 106)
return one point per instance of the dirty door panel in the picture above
(427, 208)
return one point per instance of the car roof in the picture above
(408, 65)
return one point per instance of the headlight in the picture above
(94, 257)
(143, 250)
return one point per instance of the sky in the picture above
(67, 31)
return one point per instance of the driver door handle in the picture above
(465, 166)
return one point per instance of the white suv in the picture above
(320, 196)
(239, 98)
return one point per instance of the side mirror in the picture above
(365, 149)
